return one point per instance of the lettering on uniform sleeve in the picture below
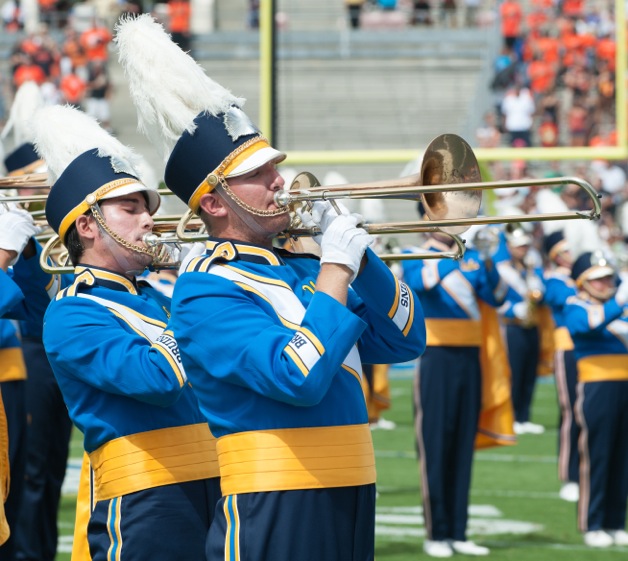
(167, 345)
(304, 349)
(402, 311)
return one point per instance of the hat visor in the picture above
(257, 160)
(598, 272)
(154, 198)
(520, 241)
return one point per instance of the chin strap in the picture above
(249, 208)
(97, 213)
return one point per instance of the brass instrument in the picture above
(449, 186)
(27, 180)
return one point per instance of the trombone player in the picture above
(447, 394)
(272, 341)
(520, 317)
(150, 451)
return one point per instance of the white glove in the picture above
(344, 244)
(6, 207)
(521, 311)
(621, 296)
(16, 228)
(535, 284)
(321, 215)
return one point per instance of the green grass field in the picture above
(515, 509)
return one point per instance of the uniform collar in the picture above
(250, 253)
(106, 278)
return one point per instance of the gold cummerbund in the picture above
(154, 458)
(13, 367)
(603, 368)
(453, 332)
(562, 339)
(289, 459)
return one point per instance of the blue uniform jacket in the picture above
(115, 361)
(518, 285)
(449, 288)
(559, 286)
(597, 329)
(26, 293)
(265, 350)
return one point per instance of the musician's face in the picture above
(257, 189)
(518, 252)
(128, 217)
(602, 289)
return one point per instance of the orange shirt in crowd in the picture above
(548, 48)
(512, 16)
(28, 72)
(73, 50)
(605, 50)
(179, 14)
(47, 5)
(548, 134)
(94, 42)
(72, 88)
(542, 76)
(573, 8)
(574, 48)
(536, 20)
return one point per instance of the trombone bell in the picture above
(449, 160)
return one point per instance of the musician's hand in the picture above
(535, 285)
(16, 229)
(320, 215)
(621, 296)
(521, 311)
(344, 243)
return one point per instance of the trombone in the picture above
(448, 185)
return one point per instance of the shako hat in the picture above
(85, 165)
(516, 235)
(591, 266)
(197, 124)
(554, 243)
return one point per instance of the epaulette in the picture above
(222, 252)
(85, 278)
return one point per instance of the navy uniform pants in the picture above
(566, 374)
(447, 399)
(47, 443)
(602, 410)
(523, 357)
(14, 398)
(306, 525)
(164, 523)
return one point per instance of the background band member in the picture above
(559, 287)
(448, 386)
(37, 489)
(598, 323)
(151, 453)
(519, 314)
(272, 340)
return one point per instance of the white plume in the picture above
(27, 100)
(62, 133)
(169, 89)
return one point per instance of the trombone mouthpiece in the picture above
(151, 239)
(282, 198)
